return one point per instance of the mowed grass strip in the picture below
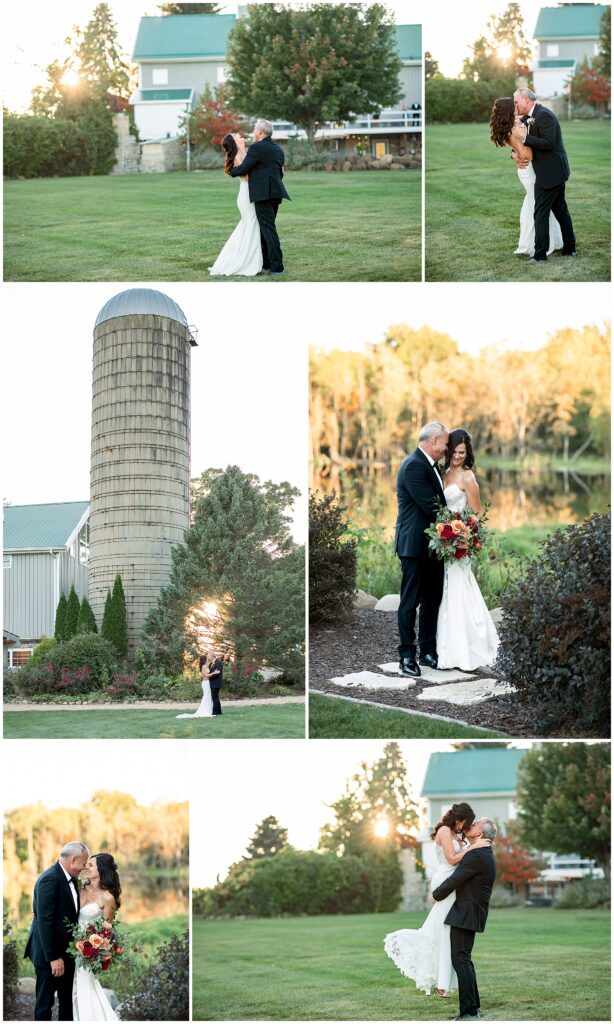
(532, 964)
(473, 201)
(361, 226)
(335, 718)
(284, 722)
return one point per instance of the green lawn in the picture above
(536, 964)
(473, 200)
(335, 718)
(170, 227)
(286, 721)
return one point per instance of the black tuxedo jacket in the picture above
(264, 163)
(472, 881)
(217, 681)
(418, 488)
(549, 157)
(49, 935)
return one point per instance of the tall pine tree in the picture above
(60, 619)
(238, 558)
(268, 839)
(86, 623)
(72, 614)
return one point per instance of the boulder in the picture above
(27, 986)
(496, 615)
(388, 603)
(397, 167)
(364, 600)
(346, 166)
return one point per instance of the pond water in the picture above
(143, 898)
(526, 497)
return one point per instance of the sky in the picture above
(155, 770)
(34, 35)
(450, 28)
(293, 781)
(249, 387)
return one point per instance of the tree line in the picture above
(366, 408)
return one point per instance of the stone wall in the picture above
(415, 887)
(128, 150)
(158, 157)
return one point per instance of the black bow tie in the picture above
(73, 881)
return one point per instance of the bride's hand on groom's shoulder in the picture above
(519, 131)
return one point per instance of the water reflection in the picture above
(143, 898)
(527, 497)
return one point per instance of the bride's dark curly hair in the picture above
(230, 149)
(108, 876)
(456, 437)
(458, 812)
(502, 120)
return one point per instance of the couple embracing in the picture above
(254, 247)
(455, 629)
(211, 667)
(77, 890)
(438, 955)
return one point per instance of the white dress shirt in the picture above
(71, 886)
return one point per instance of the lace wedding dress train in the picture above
(526, 242)
(205, 708)
(466, 636)
(423, 954)
(242, 254)
(88, 999)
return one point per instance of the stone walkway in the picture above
(150, 705)
(449, 687)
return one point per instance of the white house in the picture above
(46, 551)
(485, 778)
(566, 36)
(179, 55)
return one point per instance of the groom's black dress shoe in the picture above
(275, 273)
(430, 660)
(409, 667)
(468, 1016)
(563, 253)
(533, 260)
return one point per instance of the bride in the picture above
(99, 897)
(242, 254)
(424, 955)
(466, 636)
(205, 708)
(502, 120)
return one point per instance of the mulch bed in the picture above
(366, 639)
(24, 1009)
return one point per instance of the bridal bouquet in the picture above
(456, 535)
(96, 945)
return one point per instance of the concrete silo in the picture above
(140, 466)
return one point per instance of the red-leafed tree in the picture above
(213, 118)
(516, 866)
(589, 85)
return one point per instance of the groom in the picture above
(472, 881)
(544, 137)
(419, 486)
(56, 899)
(216, 679)
(264, 163)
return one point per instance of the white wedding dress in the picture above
(88, 999)
(466, 636)
(242, 254)
(526, 242)
(205, 708)
(424, 954)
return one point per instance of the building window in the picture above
(552, 50)
(19, 655)
(159, 76)
(6, 561)
(222, 72)
(84, 544)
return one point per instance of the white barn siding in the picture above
(183, 74)
(29, 608)
(411, 81)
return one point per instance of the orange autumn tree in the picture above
(516, 865)
(213, 118)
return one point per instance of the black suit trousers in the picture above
(215, 693)
(47, 986)
(266, 212)
(547, 200)
(461, 943)
(422, 584)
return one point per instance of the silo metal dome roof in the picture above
(141, 300)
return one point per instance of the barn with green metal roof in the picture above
(46, 551)
(484, 777)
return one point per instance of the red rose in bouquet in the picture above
(456, 535)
